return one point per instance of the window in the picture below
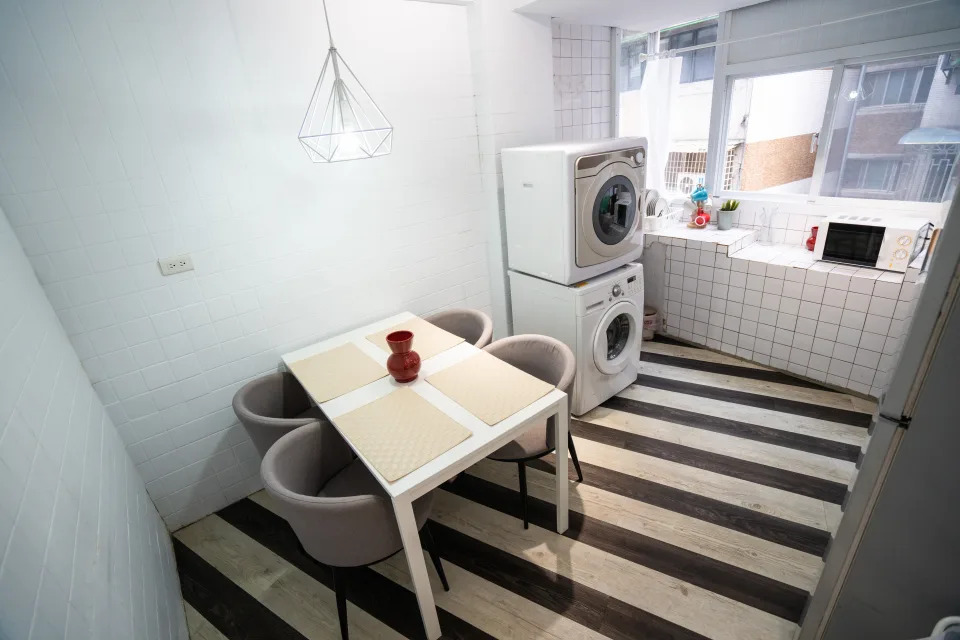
(668, 101)
(895, 133)
(772, 131)
(871, 174)
(633, 46)
(898, 86)
(698, 64)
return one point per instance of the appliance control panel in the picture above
(629, 286)
(634, 285)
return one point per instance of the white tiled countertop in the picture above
(733, 239)
(774, 304)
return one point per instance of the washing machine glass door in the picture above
(607, 210)
(616, 338)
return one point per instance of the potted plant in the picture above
(725, 215)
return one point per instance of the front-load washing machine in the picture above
(573, 209)
(601, 320)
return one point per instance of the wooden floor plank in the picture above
(705, 355)
(580, 605)
(304, 603)
(728, 369)
(676, 601)
(771, 455)
(233, 611)
(727, 426)
(822, 397)
(681, 383)
(719, 577)
(772, 528)
(726, 407)
(775, 561)
(750, 495)
(198, 626)
(500, 612)
(768, 476)
(368, 590)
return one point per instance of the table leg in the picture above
(418, 566)
(563, 483)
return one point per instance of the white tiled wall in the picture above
(512, 74)
(581, 81)
(133, 130)
(83, 552)
(790, 223)
(832, 323)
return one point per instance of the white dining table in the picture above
(485, 439)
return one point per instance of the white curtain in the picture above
(648, 111)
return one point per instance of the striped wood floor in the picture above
(711, 488)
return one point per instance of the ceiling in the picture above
(636, 15)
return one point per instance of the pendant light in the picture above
(342, 121)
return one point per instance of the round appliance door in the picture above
(608, 204)
(616, 338)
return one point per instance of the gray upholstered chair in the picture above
(551, 361)
(473, 326)
(338, 510)
(272, 406)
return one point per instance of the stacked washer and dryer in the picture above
(574, 229)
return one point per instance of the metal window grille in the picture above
(732, 166)
(684, 169)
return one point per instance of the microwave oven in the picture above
(868, 241)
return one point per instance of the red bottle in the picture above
(812, 240)
(404, 363)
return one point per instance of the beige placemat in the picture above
(428, 339)
(340, 370)
(400, 432)
(488, 387)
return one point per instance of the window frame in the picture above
(694, 29)
(725, 76)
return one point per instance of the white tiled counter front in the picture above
(775, 306)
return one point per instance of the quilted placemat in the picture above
(488, 387)
(340, 370)
(428, 339)
(400, 432)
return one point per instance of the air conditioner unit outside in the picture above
(687, 182)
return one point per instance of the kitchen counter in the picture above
(775, 305)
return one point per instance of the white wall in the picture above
(133, 130)
(581, 81)
(83, 552)
(513, 83)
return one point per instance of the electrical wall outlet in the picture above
(178, 264)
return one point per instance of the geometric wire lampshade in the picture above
(343, 122)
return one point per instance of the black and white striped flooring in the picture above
(711, 488)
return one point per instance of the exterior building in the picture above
(896, 125)
(901, 133)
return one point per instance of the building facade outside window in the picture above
(896, 131)
(697, 65)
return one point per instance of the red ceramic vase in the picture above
(812, 240)
(404, 363)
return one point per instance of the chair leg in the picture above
(522, 467)
(340, 587)
(427, 536)
(573, 454)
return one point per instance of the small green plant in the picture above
(730, 205)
